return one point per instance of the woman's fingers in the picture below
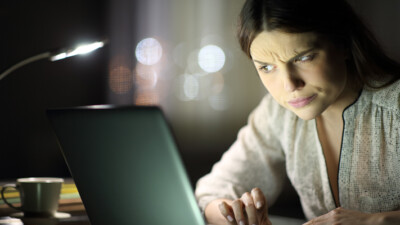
(251, 211)
(227, 212)
(258, 198)
(237, 207)
(261, 205)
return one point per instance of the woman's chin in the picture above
(306, 117)
(305, 114)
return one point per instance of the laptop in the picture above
(126, 165)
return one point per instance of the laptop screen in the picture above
(126, 165)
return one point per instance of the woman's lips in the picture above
(300, 102)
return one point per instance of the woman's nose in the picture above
(292, 81)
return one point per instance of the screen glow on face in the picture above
(303, 72)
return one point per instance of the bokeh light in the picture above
(145, 77)
(211, 58)
(120, 79)
(187, 87)
(148, 51)
(147, 98)
(191, 87)
(218, 83)
(192, 63)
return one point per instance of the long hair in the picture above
(332, 19)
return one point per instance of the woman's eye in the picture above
(305, 58)
(267, 68)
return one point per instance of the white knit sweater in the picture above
(275, 141)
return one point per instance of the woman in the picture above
(331, 120)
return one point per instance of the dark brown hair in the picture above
(332, 19)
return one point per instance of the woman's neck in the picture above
(349, 95)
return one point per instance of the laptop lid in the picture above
(126, 165)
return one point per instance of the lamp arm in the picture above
(25, 62)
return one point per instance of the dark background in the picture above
(27, 144)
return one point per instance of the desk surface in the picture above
(79, 217)
(75, 207)
(72, 206)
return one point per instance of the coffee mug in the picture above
(39, 195)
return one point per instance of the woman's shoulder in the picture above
(388, 97)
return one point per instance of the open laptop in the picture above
(126, 166)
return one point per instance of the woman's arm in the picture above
(256, 159)
(387, 218)
(350, 217)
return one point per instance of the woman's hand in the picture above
(250, 209)
(341, 216)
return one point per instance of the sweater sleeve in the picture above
(256, 159)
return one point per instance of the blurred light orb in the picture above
(120, 79)
(218, 83)
(148, 51)
(145, 77)
(211, 58)
(191, 87)
(147, 98)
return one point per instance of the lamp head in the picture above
(80, 50)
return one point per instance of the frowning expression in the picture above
(303, 72)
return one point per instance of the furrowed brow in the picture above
(298, 55)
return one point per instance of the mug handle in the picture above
(4, 199)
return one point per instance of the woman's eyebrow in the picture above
(298, 54)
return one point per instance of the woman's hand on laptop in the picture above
(250, 209)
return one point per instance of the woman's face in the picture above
(302, 72)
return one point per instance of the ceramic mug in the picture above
(39, 195)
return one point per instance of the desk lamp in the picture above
(55, 55)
